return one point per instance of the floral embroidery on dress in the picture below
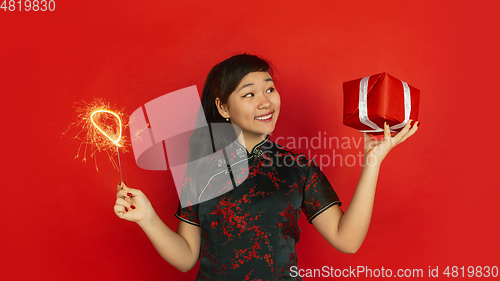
(250, 232)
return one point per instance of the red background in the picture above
(437, 196)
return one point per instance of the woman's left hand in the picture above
(376, 150)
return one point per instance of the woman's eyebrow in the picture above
(246, 85)
(251, 84)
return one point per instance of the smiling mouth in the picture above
(264, 117)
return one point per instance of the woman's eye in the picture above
(270, 90)
(249, 95)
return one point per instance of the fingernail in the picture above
(132, 207)
(129, 194)
(126, 210)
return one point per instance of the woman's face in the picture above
(254, 105)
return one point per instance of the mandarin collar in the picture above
(256, 150)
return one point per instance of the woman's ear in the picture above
(222, 108)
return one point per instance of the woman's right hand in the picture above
(132, 205)
(181, 249)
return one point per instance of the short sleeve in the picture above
(318, 193)
(188, 199)
(188, 214)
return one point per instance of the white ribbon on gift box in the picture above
(363, 107)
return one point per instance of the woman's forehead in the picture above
(256, 75)
(253, 78)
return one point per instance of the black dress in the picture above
(250, 232)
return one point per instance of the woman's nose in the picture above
(263, 102)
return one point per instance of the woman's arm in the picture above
(180, 249)
(346, 232)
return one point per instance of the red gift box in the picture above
(371, 100)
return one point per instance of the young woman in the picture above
(250, 232)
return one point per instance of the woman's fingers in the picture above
(370, 143)
(131, 204)
(120, 210)
(367, 137)
(373, 144)
(128, 193)
(387, 132)
(121, 207)
(121, 186)
(132, 197)
(399, 136)
(412, 131)
(123, 202)
(124, 191)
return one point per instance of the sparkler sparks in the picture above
(96, 112)
(101, 129)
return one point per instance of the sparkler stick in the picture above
(119, 164)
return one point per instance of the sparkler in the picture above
(101, 128)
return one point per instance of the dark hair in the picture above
(221, 81)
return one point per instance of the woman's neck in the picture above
(251, 140)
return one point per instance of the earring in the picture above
(227, 119)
